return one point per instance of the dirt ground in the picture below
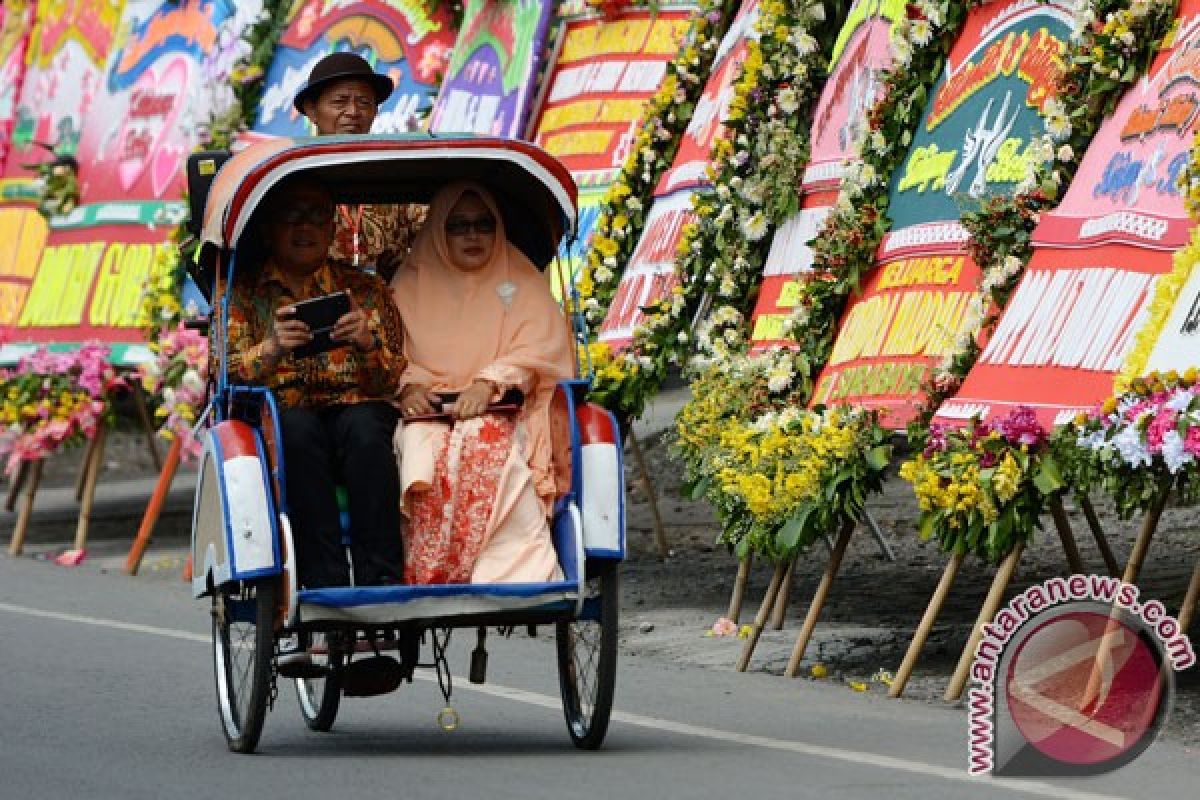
(669, 605)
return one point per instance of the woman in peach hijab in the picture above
(479, 320)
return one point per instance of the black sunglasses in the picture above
(313, 215)
(461, 226)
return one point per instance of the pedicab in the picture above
(242, 547)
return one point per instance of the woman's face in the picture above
(470, 233)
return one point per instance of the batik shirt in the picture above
(385, 235)
(343, 375)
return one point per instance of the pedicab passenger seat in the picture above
(367, 605)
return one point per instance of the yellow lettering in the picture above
(665, 37)
(61, 285)
(578, 143)
(1011, 165)
(12, 297)
(25, 231)
(927, 169)
(769, 328)
(789, 295)
(120, 284)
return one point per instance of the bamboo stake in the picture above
(14, 489)
(785, 593)
(31, 486)
(1190, 600)
(1132, 569)
(1142, 545)
(165, 476)
(739, 588)
(1066, 535)
(88, 454)
(89, 489)
(1093, 521)
(139, 402)
(660, 534)
(818, 601)
(926, 625)
(760, 619)
(991, 605)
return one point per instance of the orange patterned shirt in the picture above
(385, 235)
(343, 375)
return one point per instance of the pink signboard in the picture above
(67, 52)
(16, 23)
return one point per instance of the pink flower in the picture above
(1164, 421)
(1021, 427)
(1191, 442)
(724, 627)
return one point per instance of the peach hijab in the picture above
(499, 322)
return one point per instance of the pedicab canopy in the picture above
(536, 194)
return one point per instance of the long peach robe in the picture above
(499, 323)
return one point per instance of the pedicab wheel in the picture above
(587, 661)
(320, 697)
(243, 648)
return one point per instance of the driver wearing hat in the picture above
(342, 97)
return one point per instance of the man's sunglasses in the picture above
(461, 226)
(312, 215)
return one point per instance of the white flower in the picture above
(805, 43)
(1066, 154)
(1173, 453)
(755, 226)
(1180, 400)
(1131, 448)
(682, 338)
(921, 32)
(789, 103)
(633, 204)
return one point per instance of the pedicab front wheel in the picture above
(587, 661)
(320, 697)
(243, 648)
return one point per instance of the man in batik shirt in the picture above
(335, 419)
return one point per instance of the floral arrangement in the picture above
(54, 400)
(1104, 59)
(756, 169)
(622, 215)
(58, 182)
(982, 488)
(795, 474)
(178, 376)
(1139, 444)
(161, 307)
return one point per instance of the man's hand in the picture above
(474, 401)
(416, 400)
(288, 334)
(352, 328)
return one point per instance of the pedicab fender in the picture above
(235, 528)
(597, 473)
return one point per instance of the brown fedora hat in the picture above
(338, 67)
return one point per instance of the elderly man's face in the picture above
(299, 229)
(346, 106)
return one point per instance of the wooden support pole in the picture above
(165, 476)
(660, 535)
(1066, 535)
(139, 403)
(1093, 521)
(818, 601)
(88, 454)
(1141, 546)
(89, 489)
(31, 486)
(991, 605)
(760, 620)
(739, 588)
(1190, 601)
(14, 489)
(926, 625)
(785, 592)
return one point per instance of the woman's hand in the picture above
(353, 328)
(474, 401)
(416, 400)
(287, 334)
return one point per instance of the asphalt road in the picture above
(107, 693)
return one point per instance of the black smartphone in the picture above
(320, 314)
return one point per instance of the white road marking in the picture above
(856, 757)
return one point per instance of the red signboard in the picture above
(971, 144)
(1073, 318)
(597, 91)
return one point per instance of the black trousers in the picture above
(351, 445)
